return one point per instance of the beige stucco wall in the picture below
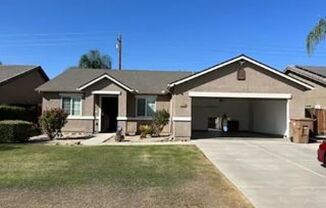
(91, 106)
(107, 85)
(313, 97)
(79, 125)
(162, 102)
(50, 100)
(258, 80)
(53, 100)
(21, 90)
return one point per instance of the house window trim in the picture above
(146, 97)
(71, 96)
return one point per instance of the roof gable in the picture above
(105, 76)
(236, 59)
(10, 72)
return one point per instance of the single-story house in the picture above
(18, 83)
(260, 98)
(314, 76)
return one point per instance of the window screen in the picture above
(66, 104)
(76, 107)
(146, 106)
(72, 105)
(150, 107)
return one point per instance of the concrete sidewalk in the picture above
(270, 173)
(98, 139)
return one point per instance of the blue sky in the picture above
(159, 34)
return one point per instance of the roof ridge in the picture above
(323, 66)
(309, 71)
(18, 65)
(133, 70)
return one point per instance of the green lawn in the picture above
(112, 176)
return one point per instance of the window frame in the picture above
(71, 97)
(147, 98)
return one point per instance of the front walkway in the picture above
(271, 173)
(98, 139)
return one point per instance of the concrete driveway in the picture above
(270, 172)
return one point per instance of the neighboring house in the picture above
(18, 83)
(260, 98)
(315, 76)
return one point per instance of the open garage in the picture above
(251, 97)
(245, 116)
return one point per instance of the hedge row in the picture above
(18, 113)
(15, 131)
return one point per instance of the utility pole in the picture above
(119, 47)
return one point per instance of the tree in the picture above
(316, 35)
(95, 60)
(52, 122)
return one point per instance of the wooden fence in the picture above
(319, 115)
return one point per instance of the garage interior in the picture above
(246, 117)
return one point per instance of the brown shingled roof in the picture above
(144, 82)
(9, 72)
(314, 73)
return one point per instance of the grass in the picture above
(112, 176)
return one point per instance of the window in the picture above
(146, 106)
(72, 105)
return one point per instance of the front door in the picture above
(109, 114)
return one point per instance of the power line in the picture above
(51, 40)
(51, 34)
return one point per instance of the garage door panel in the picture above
(269, 116)
(255, 115)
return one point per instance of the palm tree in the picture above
(94, 60)
(316, 35)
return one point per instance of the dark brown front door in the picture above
(109, 114)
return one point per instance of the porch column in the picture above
(181, 117)
(122, 111)
(97, 113)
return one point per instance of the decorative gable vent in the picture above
(241, 73)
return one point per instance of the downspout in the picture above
(171, 115)
(171, 112)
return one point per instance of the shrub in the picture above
(160, 119)
(8, 112)
(52, 121)
(145, 130)
(15, 131)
